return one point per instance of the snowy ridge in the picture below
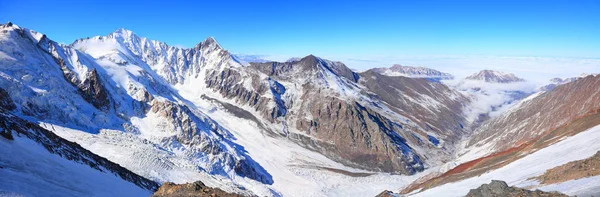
(413, 72)
(492, 76)
(50, 82)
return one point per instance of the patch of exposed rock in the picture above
(501, 189)
(386, 193)
(196, 189)
(5, 101)
(572, 170)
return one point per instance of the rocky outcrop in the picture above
(5, 101)
(93, 91)
(571, 171)
(358, 136)
(501, 189)
(386, 193)
(6, 104)
(229, 83)
(196, 189)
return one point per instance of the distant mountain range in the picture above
(413, 72)
(492, 76)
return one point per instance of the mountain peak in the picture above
(310, 60)
(210, 41)
(494, 76)
(413, 72)
(123, 33)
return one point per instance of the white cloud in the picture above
(537, 70)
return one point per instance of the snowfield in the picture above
(28, 169)
(578, 147)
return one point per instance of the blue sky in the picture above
(343, 30)
(516, 28)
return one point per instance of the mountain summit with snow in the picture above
(493, 76)
(413, 72)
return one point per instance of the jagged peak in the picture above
(311, 59)
(123, 33)
(210, 41)
(494, 76)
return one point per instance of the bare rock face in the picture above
(196, 189)
(7, 104)
(500, 189)
(228, 83)
(358, 136)
(93, 91)
(386, 193)
(5, 101)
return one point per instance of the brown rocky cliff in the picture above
(501, 189)
(196, 189)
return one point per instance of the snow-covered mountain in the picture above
(132, 99)
(492, 76)
(413, 72)
(305, 127)
(82, 96)
(36, 162)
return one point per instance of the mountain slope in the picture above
(493, 76)
(33, 157)
(532, 133)
(59, 85)
(539, 116)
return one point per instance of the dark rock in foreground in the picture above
(190, 189)
(386, 193)
(500, 188)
